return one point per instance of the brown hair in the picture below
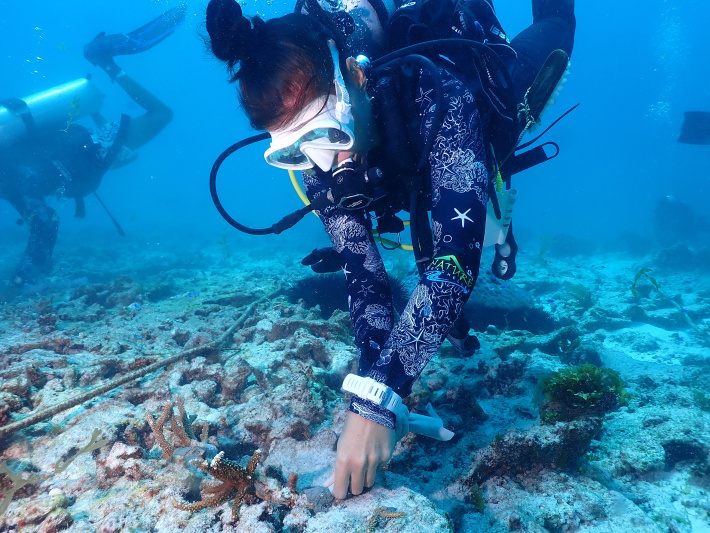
(281, 64)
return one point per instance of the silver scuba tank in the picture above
(61, 105)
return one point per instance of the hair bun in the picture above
(231, 34)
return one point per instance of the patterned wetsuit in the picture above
(396, 354)
(459, 188)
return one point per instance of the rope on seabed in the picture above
(131, 376)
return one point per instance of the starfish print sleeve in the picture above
(459, 188)
(369, 294)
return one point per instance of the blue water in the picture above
(637, 66)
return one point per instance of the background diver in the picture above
(352, 130)
(43, 154)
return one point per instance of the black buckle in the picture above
(355, 201)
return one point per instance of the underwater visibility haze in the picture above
(161, 371)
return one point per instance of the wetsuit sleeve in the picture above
(369, 294)
(459, 191)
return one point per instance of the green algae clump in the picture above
(582, 391)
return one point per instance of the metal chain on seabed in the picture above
(131, 376)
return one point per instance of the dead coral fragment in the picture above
(183, 427)
(374, 522)
(157, 428)
(236, 482)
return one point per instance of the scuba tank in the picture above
(60, 105)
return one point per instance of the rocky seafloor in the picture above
(264, 360)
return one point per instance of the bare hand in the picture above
(363, 447)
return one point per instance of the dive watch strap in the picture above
(374, 391)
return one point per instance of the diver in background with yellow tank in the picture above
(45, 152)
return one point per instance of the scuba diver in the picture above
(695, 128)
(676, 222)
(45, 152)
(426, 128)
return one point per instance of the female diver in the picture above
(418, 129)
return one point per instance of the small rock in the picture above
(205, 390)
(19, 386)
(37, 510)
(92, 374)
(12, 400)
(236, 375)
(4, 413)
(180, 336)
(69, 377)
(198, 340)
(35, 375)
(319, 497)
(297, 519)
(56, 521)
(114, 463)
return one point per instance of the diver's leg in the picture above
(157, 113)
(44, 225)
(369, 293)
(553, 28)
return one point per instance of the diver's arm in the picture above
(152, 122)
(369, 293)
(458, 223)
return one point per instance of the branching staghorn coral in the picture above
(235, 480)
(182, 428)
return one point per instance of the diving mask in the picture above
(326, 130)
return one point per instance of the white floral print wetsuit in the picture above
(395, 354)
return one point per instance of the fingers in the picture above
(322, 260)
(330, 482)
(357, 480)
(355, 477)
(371, 475)
(311, 258)
(363, 447)
(341, 477)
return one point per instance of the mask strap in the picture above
(342, 105)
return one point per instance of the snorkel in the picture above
(337, 115)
